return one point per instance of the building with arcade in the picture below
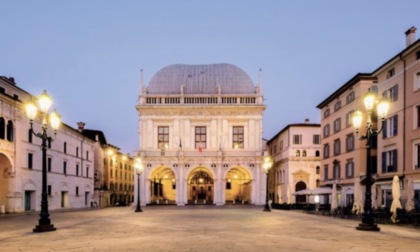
(200, 130)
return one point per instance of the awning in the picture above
(316, 191)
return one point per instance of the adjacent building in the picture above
(114, 171)
(200, 130)
(70, 159)
(397, 148)
(296, 154)
(343, 155)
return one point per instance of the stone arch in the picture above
(5, 171)
(162, 185)
(299, 186)
(200, 185)
(237, 185)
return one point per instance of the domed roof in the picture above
(201, 79)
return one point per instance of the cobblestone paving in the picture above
(199, 228)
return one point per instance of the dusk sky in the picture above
(88, 54)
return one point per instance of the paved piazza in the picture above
(199, 228)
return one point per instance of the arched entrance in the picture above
(200, 187)
(5, 169)
(163, 186)
(299, 187)
(238, 186)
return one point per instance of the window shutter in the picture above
(395, 125)
(384, 129)
(395, 98)
(394, 160)
(383, 162)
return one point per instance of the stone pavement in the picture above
(199, 228)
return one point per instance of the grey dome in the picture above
(201, 79)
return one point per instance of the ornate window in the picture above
(200, 137)
(163, 137)
(238, 137)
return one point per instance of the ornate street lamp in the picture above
(44, 103)
(382, 107)
(268, 163)
(139, 169)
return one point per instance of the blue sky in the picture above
(88, 53)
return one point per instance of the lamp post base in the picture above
(266, 208)
(368, 227)
(44, 228)
(138, 209)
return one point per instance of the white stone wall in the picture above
(19, 179)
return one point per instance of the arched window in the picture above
(298, 153)
(10, 131)
(317, 183)
(304, 153)
(317, 170)
(317, 154)
(2, 127)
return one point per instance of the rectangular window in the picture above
(337, 125)
(390, 127)
(390, 73)
(350, 97)
(337, 106)
(418, 116)
(238, 137)
(326, 130)
(349, 119)
(350, 169)
(77, 170)
(326, 172)
(200, 137)
(392, 93)
(417, 158)
(317, 139)
(49, 164)
(389, 161)
(417, 81)
(65, 147)
(49, 190)
(87, 155)
(418, 55)
(49, 143)
(65, 167)
(350, 142)
(77, 191)
(87, 172)
(163, 137)
(30, 160)
(297, 139)
(30, 135)
(337, 147)
(327, 113)
(281, 145)
(337, 171)
(326, 151)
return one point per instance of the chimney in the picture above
(81, 126)
(410, 36)
(307, 121)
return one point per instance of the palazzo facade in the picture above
(200, 130)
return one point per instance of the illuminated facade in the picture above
(295, 151)
(69, 159)
(200, 129)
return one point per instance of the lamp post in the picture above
(139, 169)
(382, 106)
(44, 103)
(268, 163)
